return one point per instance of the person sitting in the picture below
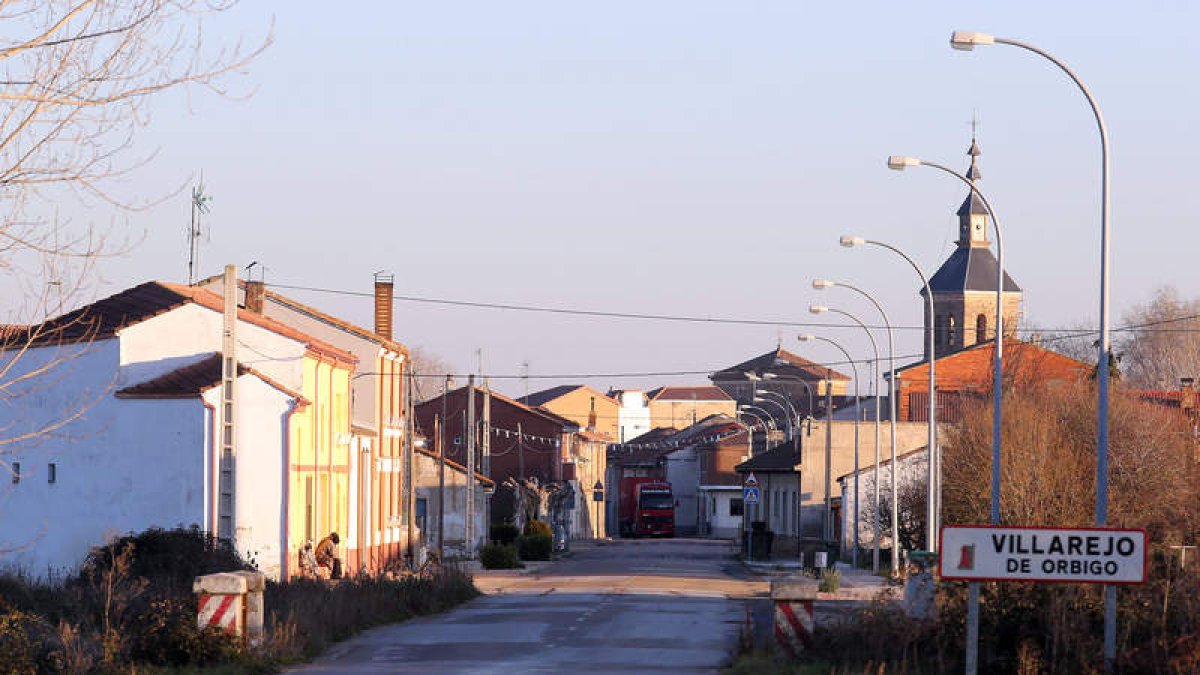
(327, 556)
(308, 561)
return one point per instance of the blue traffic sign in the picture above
(750, 494)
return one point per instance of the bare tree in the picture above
(76, 81)
(1164, 343)
(431, 370)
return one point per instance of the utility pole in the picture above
(409, 500)
(440, 432)
(829, 457)
(520, 452)
(226, 492)
(471, 430)
(487, 455)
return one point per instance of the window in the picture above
(51, 472)
(775, 504)
(980, 328)
(796, 512)
(736, 507)
(16, 472)
(951, 336)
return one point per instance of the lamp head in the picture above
(759, 399)
(805, 337)
(751, 376)
(819, 284)
(769, 376)
(817, 309)
(900, 162)
(965, 40)
(850, 241)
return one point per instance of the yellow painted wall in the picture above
(577, 405)
(319, 476)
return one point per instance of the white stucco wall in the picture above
(719, 522)
(191, 332)
(426, 484)
(633, 417)
(913, 469)
(260, 511)
(124, 465)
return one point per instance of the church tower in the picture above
(964, 287)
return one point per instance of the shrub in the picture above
(20, 644)
(535, 546)
(505, 533)
(499, 557)
(538, 527)
(831, 580)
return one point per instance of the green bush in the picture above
(535, 546)
(499, 557)
(538, 527)
(831, 580)
(505, 533)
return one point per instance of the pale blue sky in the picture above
(674, 157)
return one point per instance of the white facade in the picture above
(913, 469)
(425, 482)
(721, 511)
(122, 465)
(633, 417)
(683, 473)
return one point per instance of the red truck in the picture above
(646, 508)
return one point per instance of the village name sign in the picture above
(1100, 556)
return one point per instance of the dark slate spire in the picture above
(968, 234)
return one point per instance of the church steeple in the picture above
(972, 215)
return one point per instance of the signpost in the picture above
(1043, 554)
(750, 497)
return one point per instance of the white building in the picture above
(633, 417)
(115, 430)
(913, 470)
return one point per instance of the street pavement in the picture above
(625, 606)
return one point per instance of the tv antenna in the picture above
(200, 207)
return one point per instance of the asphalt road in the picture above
(627, 606)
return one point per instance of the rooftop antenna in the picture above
(525, 376)
(200, 207)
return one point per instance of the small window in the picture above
(980, 328)
(16, 472)
(736, 508)
(51, 472)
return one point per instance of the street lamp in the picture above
(821, 309)
(787, 414)
(933, 507)
(828, 458)
(967, 40)
(899, 164)
(821, 284)
(765, 417)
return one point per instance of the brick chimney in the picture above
(384, 285)
(256, 291)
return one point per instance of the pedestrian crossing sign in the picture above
(750, 495)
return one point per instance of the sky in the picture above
(690, 158)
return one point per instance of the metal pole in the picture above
(1103, 356)
(440, 428)
(854, 370)
(828, 455)
(934, 458)
(409, 496)
(469, 433)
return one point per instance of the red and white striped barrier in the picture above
(221, 611)
(794, 622)
(231, 601)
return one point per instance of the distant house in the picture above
(681, 407)
(439, 490)
(130, 394)
(581, 404)
(701, 471)
(913, 467)
(633, 413)
(803, 382)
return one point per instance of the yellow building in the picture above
(319, 483)
(581, 404)
(681, 407)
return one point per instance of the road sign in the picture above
(750, 494)
(1091, 556)
(751, 480)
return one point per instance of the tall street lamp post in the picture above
(966, 41)
(820, 284)
(828, 459)
(821, 309)
(788, 411)
(899, 163)
(932, 508)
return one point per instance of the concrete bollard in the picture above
(233, 602)
(793, 597)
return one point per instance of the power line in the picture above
(1066, 333)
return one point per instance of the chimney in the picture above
(255, 292)
(384, 284)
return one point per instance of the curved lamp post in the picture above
(821, 309)
(965, 41)
(899, 163)
(766, 416)
(788, 409)
(933, 507)
(828, 459)
(820, 284)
